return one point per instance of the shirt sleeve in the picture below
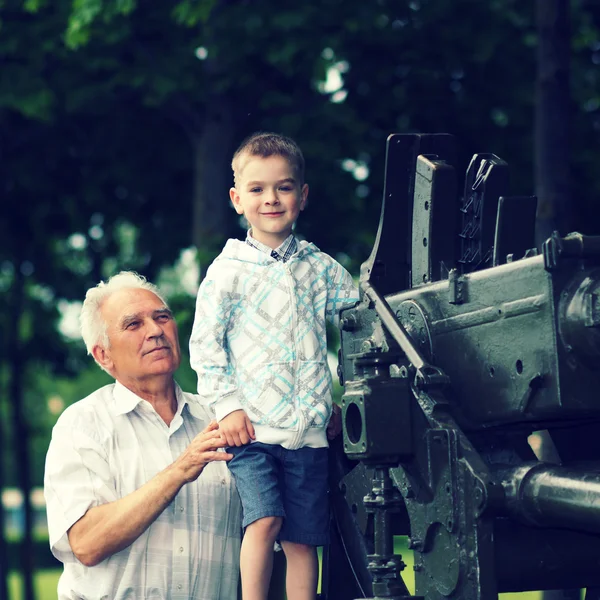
(341, 291)
(77, 477)
(209, 354)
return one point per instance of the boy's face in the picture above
(270, 196)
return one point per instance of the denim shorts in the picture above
(275, 482)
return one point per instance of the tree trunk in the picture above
(16, 361)
(552, 141)
(212, 148)
(552, 119)
(3, 545)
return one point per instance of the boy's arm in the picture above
(209, 355)
(334, 427)
(341, 291)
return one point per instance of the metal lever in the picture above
(427, 375)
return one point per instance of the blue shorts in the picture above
(275, 482)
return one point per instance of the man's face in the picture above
(142, 335)
(270, 196)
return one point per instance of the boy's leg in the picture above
(306, 523)
(302, 571)
(255, 470)
(256, 557)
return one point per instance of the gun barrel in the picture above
(553, 496)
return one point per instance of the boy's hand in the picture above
(236, 428)
(334, 427)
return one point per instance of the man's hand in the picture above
(334, 427)
(108, 528)
(202, 450)
(236, 429)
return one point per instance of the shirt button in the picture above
(223, 481)
(181, 509)
(179, 586)
(180, 548)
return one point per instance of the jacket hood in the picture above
(238, 250)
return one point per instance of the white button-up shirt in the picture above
(107, 446)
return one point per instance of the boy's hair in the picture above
(93, 327)
(265, 144)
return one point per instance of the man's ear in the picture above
(303, 196)
(102, 357)
(235, 200)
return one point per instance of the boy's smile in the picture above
(270, 196)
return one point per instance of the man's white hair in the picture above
(94, 329)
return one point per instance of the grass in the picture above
(46, 580)
(45, 584)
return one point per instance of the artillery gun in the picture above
(466, 340)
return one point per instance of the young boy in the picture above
(259, 348)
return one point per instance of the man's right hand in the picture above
(202, 450)
(108, 528)
(236, 428)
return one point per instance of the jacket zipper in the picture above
(301, 421)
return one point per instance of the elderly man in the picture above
(139, 497)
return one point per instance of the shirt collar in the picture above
(283, 252)
(124, 400)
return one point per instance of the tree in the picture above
(55, 193)
(552, 119)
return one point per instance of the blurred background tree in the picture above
(118, 120)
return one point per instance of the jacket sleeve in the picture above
(209, 354)
(341, 291)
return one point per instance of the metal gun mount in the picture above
(466, 340)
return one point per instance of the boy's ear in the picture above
(235, 200)
(102, 357)
(303, 196)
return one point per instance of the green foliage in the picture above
(192, 12)
(85, 13)
(33, 6)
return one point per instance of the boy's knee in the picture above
(266, 527)
(297, 549)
